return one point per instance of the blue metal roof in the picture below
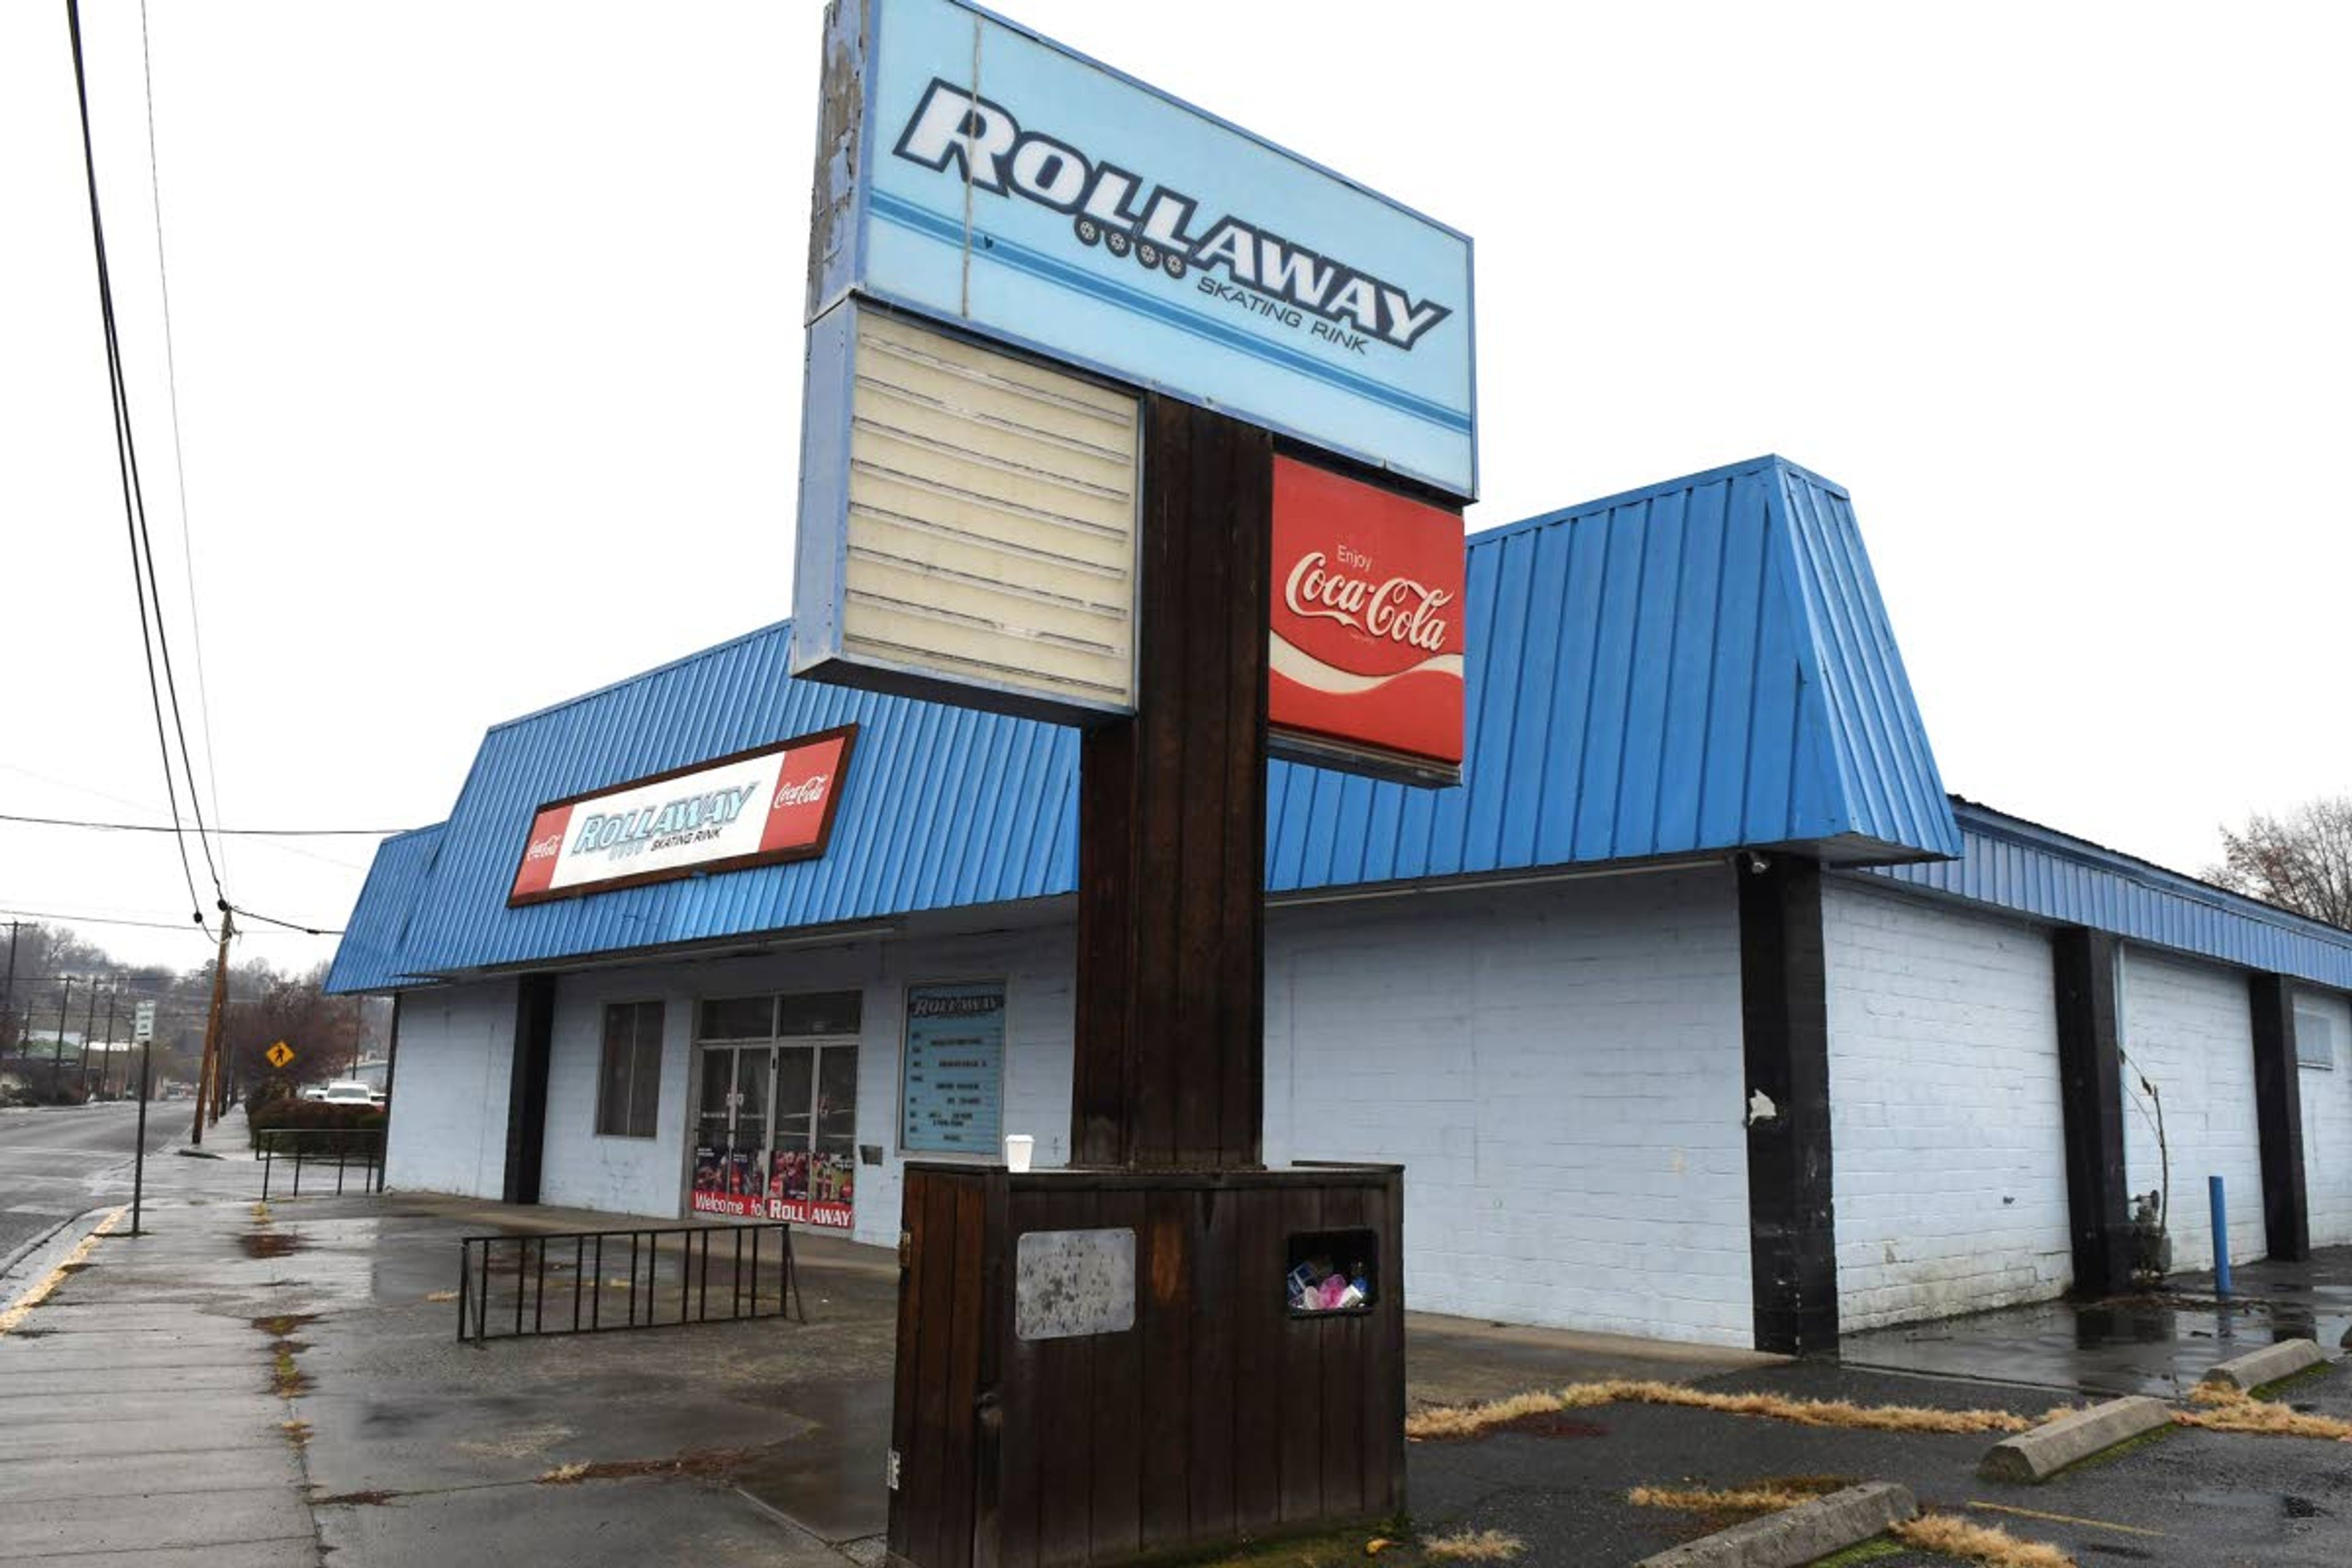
(369, 956)
(941, 807)
(1700, 666)
(2018, 865)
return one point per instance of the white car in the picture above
(314, 1091)
(349, 1091)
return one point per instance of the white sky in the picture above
(487, 336)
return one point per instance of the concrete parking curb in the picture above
(1798, 1535)
(2038, 1455)
(2268, 1364)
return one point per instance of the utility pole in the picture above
(209, 1071)
(57, 1048)
(106, 1063)
(8, 993)
(89, 1027)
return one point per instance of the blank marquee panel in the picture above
(990, 539)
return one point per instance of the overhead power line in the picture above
(153, 639)
(150, 925)
(179, 455)
(215, 831)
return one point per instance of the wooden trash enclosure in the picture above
(1220, 1414)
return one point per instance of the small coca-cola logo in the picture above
(1397, 609)
(546, 848)
(807, 792)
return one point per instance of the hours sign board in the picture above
(973, 171)
(954, 1069)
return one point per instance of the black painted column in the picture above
(534, 1038)
(2278, 1116)
(2090, 1078)
(1784, 1016)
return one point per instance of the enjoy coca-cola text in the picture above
(1398, 610)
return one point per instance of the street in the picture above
(58, 1161)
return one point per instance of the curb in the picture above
(2268, 1364)
(2038, 1455)
(1798, 1535)
(9, 1263)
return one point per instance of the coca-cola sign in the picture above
(1366, 648)
(758, 807)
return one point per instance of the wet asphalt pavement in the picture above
(2196, 1499)
(58, 1161)
(416, 1448)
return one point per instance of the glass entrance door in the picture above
(776, 1118)
(730, 1144)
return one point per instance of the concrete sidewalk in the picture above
(136, 1418)
(252, 1384)
(264, 1386)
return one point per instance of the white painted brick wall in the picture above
(580, 1169)
(448, 1127)
(2189, 1027)
(2327, 1125)
(1560, 1071)
(1558, 1068)
(1950, 1145)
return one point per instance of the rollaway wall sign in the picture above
(974, 172)
(755, 808)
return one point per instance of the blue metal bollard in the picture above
(2220, 1236)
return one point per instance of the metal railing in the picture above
(504, 1282)
(348, 1149)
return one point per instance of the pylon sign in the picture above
(279, 1055)
(982, 175)
(969, 496)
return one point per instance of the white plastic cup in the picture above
(1018, 1146)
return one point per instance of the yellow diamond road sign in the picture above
(279, 1054)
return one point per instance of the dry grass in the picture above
(2227, 1409)
(1444, 1422)
(1977, 1543)
(1440, 1422)
(1801, 1412)
(261, 1214)
(1762, 1498)
(442, 1296)
(563, 1475)
(1473, 1546)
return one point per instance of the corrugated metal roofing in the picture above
(369, 956)
(943, 806)
(2017, 865)
(1701, 666)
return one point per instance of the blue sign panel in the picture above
(953, 1096)
(974, 172)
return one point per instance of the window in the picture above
(2314, 1040)
(628, 1089)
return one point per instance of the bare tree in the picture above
(2301, 860)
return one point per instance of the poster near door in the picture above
(776, 1136)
